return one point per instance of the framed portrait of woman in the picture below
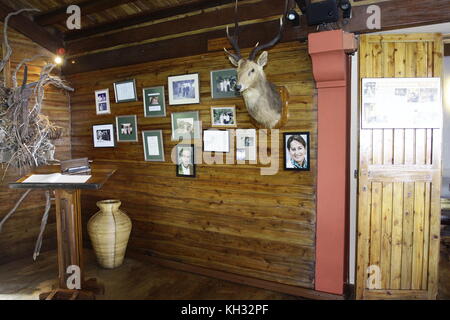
(296, 151)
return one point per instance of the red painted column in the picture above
(328, 51)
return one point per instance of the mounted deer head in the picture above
(261, 97)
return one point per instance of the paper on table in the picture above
(56, 178)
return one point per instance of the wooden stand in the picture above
(69, 232)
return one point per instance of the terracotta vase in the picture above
(109, 230)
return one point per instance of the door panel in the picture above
(399, 181)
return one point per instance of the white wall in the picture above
(446, 127)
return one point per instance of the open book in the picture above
(56, 178)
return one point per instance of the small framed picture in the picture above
(246, 144)
(296, 151)
(153, 145)
(185, 160)
(102, 101)
(103, 135)
(223, 116)
(125, 91)
(126, 128)
(185, 125)
(154, 102)
(216, 141)
(184, 89)
(223, 84)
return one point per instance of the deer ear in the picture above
(233, 61)
(262, 59)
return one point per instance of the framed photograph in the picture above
(185, 125)
(401, 103)
(153, 145)
(296, 151)
(154, 102)
(185, 160)
(102, 101)
(216, 141)
(223, 84)
(126, 128)
(246, 144)
(223, 116)
(125, 91)
(103, 135)
(184, 89)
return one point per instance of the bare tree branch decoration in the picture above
(25, 134)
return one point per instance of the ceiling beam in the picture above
(395, 14)
(143, 17)
(87, 7)
(30, 29)
(247, 12)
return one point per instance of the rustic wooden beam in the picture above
(394, 14)
(30, 29)
(247, 12)
(87, 7)
(143, 17)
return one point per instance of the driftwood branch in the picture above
(10, 213)
(48, 204)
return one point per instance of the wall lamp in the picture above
(293, 17)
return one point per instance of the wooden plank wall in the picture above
(229, 218)
(399, 209)
(19, 234)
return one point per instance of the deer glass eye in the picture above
(250, 72)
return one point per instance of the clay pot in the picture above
(109, 230)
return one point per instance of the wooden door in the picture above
(399, 181)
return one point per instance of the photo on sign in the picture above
(185, 125)
(154, 102)
(246, 144)
(185, 160)
(223, 84)
(296, 151)
(103, 135)
(126, 128)
(102, 102)
(401, 103)
(153, 145)
(125, 91)
(184, 89)
(223, 116)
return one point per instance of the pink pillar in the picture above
(328, 51)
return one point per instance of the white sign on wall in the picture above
(401, 103)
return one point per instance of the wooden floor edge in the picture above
(258, 283)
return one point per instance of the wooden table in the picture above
(69, 229)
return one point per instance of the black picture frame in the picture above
(289, 162)
(181, 148)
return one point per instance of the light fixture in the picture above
(58, 60)
(346, 8)
(293, 17)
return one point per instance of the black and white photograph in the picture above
(185, 125)
(185, 160)
(102, 101)
(296, 151)
(103, 135)
(223, 84)
(184, 89)
(223, 116)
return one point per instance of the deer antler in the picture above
(234, 39)
(277, 38)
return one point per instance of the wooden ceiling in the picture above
(109, 14)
